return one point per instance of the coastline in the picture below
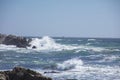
(20, 73)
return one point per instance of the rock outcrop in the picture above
(21, 42)
(19, 73)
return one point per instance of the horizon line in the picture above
(61, 36)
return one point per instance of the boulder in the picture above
(3, 76)
(19, 73)
(21, 42)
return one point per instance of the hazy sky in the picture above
(70, 18)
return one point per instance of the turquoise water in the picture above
(72, 58)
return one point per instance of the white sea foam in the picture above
(115, 50)
(13, 48)
(70, 64)
(85, 72)
(48, 44)
(45, 43)
(91, 39)
(58, 39)
(7, 47)
(90, 48)
(109, 58)
(88, 44)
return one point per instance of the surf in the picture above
(49, 44)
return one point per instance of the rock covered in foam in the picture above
(19, 73)
(14, 40)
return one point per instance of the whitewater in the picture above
(70, 58)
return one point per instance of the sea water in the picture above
(66, 58)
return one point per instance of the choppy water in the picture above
(72, 58)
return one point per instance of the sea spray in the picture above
(70, 64)
(66, 58)
(49, 44)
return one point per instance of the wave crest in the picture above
(70, 64)
(47, 43)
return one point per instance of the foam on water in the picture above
(70, 64)
(13, 48)
(110, 58)
(85, 72)
(7, 47)
(78, 66)
(48, 44)
(91, 39)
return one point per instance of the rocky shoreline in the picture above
(19, 41)
(20, 73)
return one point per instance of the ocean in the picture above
(63, 58)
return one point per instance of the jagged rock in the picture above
(2, 76)
(14, 40)
(19, 73)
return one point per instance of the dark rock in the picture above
(21, 42)
(34, 47)
(19, 73)
(2, 76)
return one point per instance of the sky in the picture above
(68, 18)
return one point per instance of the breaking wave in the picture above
(48, 44)
(70, 64)
(76, 69)
(89, 72)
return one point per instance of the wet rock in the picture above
(19, 73)
(21, 42)
(34, 47)
(2, 76)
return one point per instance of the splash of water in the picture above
(47, 43)
(70, 64)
